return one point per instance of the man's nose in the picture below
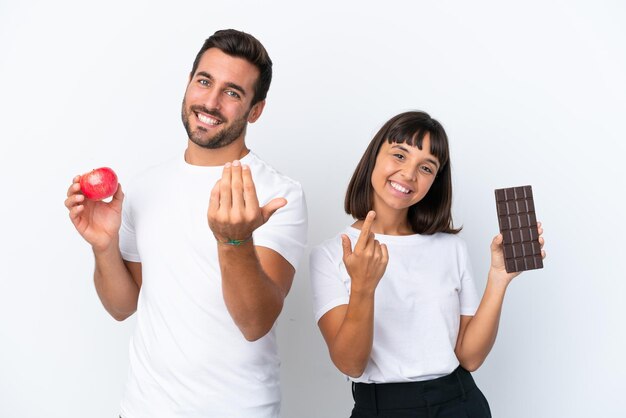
(212, 100)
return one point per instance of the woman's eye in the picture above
(427, 169)
(399, 156)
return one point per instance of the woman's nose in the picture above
(410, 173)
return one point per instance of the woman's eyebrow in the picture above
(402, 148)
(433, 162)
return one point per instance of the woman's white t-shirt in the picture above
(426, 288)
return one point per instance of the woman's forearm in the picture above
(352, 346)
(480, 334)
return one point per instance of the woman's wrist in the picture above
(499, 278)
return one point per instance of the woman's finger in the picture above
(365, 235)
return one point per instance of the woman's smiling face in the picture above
(402, 175)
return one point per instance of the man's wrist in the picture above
(234, 242)
(107, 249)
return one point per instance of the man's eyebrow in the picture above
(237, 87)
(229, 84)
(204, 74)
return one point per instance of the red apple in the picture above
(98, 184)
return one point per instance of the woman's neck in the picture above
(389, 223)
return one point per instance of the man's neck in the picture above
(197, 155)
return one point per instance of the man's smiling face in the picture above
(217, 103)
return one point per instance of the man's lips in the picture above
(208, 119)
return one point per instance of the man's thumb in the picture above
(268, 210)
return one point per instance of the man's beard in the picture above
(221, 138)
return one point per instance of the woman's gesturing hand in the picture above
(366, 263)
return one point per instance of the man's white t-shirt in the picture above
(187, 357)
(426, 288)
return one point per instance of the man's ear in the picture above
(256, 111)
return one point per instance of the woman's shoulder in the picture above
(447, 240)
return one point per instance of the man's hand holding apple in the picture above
(98, 222)
(234, 211)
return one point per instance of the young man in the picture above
(203, 253)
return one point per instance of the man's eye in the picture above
(232, 94)
(203, 82)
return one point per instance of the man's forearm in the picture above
(253, 300)
(115, 286)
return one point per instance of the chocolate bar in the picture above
(518, 226)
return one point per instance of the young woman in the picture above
(394, 295)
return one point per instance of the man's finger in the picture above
(118, 197)
(249, 190)
(74, 200)
(75, 187)
(214, 201)
(236, 185)
(225, 187)
(268, 210)
(75, 213)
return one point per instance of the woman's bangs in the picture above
(438, 142)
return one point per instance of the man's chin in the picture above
(204, 143)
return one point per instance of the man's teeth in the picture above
(208, 120)
(399, 188)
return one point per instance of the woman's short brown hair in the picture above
(434, 212)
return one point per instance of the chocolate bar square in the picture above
(518, 225)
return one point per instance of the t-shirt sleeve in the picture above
(128, 241)
(286, 230)
(468, 296)
(327, 283)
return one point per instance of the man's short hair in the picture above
(241, 45)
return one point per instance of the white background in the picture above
(529, 92)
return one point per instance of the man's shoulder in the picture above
(266, 175)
